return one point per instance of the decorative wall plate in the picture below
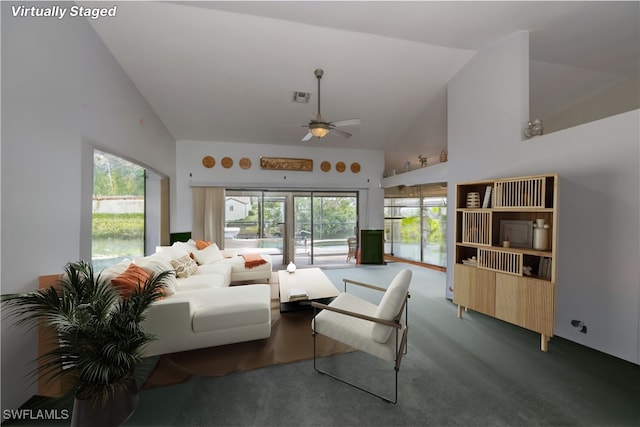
(325, 166)
(245, 163)
(208, 161)
(227, 162)
(340, 167)
(355, 167)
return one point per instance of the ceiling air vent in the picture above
(301, 97)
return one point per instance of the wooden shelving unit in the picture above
(514, 283)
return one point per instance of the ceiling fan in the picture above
(319, 127)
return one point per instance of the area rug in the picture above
(290, 341)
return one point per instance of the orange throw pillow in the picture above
(127, 282)
(201, 244)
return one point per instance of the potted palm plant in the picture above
(99, 338)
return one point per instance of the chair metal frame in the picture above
(400, 342)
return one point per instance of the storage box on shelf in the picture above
(506, 251)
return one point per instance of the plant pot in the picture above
(112, 413)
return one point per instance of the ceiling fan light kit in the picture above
(319, 127)
(319, 130)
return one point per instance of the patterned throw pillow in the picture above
(184, 266)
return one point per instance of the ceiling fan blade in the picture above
(342, 133)
(307, 137)
(350, 122)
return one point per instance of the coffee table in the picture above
(313, 280)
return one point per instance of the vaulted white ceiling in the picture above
(226, 71)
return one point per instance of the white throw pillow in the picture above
(208, 255)
(391, 304)
(179, 249)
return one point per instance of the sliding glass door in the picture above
(306, 227)
(323, 222)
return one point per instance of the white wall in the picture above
(617, 99)
(191, 172)
(62, 91)
(598, 165)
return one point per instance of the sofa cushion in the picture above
(220, 268)
(234, 307)
(208, 255)
(132, 278)
(184, 266)
(201, 281)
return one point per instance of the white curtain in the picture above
(208, 214)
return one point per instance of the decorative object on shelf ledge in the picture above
(284, 163)
(407, 167)
(208, 162)
(355, 167)
(423, 160)
(341, 167)
(534, 128)
(325, 166)
(444, 156)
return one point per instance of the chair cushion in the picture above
(391, 304)
(350, 330)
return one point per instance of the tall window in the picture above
(118, 223)
(415, 224)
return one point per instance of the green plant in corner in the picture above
(98, 331)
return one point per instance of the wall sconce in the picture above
(535, 128)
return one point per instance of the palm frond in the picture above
(97, 331)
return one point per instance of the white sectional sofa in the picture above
(200, 309)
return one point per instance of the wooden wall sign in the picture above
(284, 163)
